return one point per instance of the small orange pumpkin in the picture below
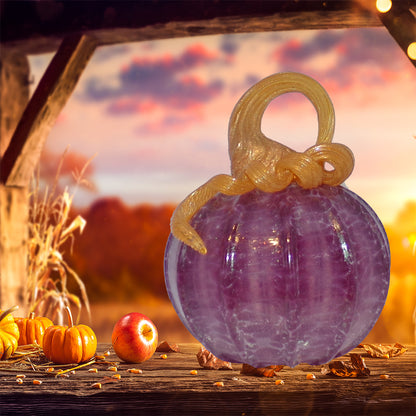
(69, 344)
(32, 329)
(9, 333)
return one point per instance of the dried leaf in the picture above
(383, 351)
(78, 222)
(164, 346)
(356, 368)
(269, 371)
(209, 361)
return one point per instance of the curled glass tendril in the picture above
(259, 162)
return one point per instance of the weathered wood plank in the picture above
(14, 93)
(284, 21)
(53, 91)
(38, 28)
(396, 19)
(13, 246)
(166, 387)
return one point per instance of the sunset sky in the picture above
(156, 113)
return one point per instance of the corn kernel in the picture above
(96, 385)
(277, 382)
(135, 370)
(384, 376)
(107, 353)
(50, 370)
(193, 372)
(112, 368)
(93, 370)
(117, 376)
(100, 357)
(387, 356)
(19, 381)
(163, 356)
(20, 376)
(310, 376)
(37, 382)
(219, 384)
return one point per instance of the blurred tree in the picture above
(403, 259)
(120, 254)
(397, 318)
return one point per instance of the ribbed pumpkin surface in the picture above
(290, 277)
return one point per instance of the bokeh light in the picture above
(383, 6)
(411, 51)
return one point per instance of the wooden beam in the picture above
(13, 246)
(54, 89)
(38, 27)
(401, 24)
(282, 21)
(14, 93)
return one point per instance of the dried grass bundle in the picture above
(50, 228)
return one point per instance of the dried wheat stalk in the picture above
(50, 227)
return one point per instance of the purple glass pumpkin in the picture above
(296, 276)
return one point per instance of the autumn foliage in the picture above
(120, 254)
(398, 318)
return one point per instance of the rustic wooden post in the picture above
(14, 95)
(54, 89)
(21, 155)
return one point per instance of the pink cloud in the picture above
(174, 123)
(129, 105)
(165, 82)
(359, 58)
(62, 118)
(198, 54)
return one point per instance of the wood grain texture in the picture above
(13, 246)
(166, 387)
(14, 93)
(53, 91)
(38, 27)
(401, 24)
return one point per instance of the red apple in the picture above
(134, 338)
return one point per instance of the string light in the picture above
(383, 6)
(411, 51)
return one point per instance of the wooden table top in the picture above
(167, 387)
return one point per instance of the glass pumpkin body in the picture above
(296, 276)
